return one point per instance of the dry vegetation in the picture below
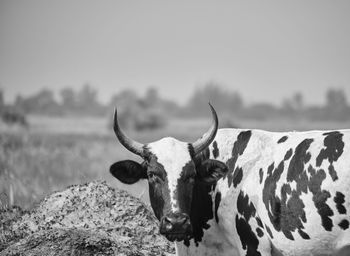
(87, 219)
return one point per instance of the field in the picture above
(56, 152)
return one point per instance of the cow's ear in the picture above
(210, 171)
(128, 171)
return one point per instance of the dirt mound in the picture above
(89, 219)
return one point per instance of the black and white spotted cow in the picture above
(247, 192)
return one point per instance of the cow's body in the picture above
(284, 193)
(247, 192)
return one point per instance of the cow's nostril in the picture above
(183, 220)
(175, 223)
(169, 219)
(176, 219)
(168, 226)
(176, 226)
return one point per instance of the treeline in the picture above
(150, 108)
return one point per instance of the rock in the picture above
(89, 219)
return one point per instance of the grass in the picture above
(57, 152)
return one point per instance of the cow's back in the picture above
(291, 190)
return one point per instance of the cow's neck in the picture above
(209, 238)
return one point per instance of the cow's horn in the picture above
(131, 145)
(209, 136)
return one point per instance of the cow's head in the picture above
(172, 168)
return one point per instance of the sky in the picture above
(265, 50)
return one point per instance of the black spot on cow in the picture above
(191, 150)
(334, 147)
(339, 199)
(201, 157)
(245, 207)
(258, 220)
(202, 204)
(288, 154)
(217, 204)
(159, 195)
(303, 234)
(157, 201)
(248, 238)
(320, 197)
(269, 190)
(279, 211)
(299, 159)
(344, 224)
(332, 172)
(259, 232)
(215, 150)
(237, 176)
(201, 209)
(238, 148)
(268, 231)
(287, 213)
(183, 192)
(261, 175)
(283, 139)
(270, 169)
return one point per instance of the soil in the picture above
(88, 219)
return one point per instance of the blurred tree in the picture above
(293, 107)
(87, 95)
(336, 99)
(87, 102)
(236, 101)
(42, 102)
(151, 98)
(223, 101)
(149, 112)
(298, 100)
(68, 97)
(336, 105)
(45, 99)
(123, 99)
(261, 111)
(19, 101)
(153, 102)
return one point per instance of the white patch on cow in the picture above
(293, 185)
(173, 155)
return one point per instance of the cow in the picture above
(247, 192)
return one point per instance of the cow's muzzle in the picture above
(176, 227)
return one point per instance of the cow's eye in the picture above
(153, 177)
